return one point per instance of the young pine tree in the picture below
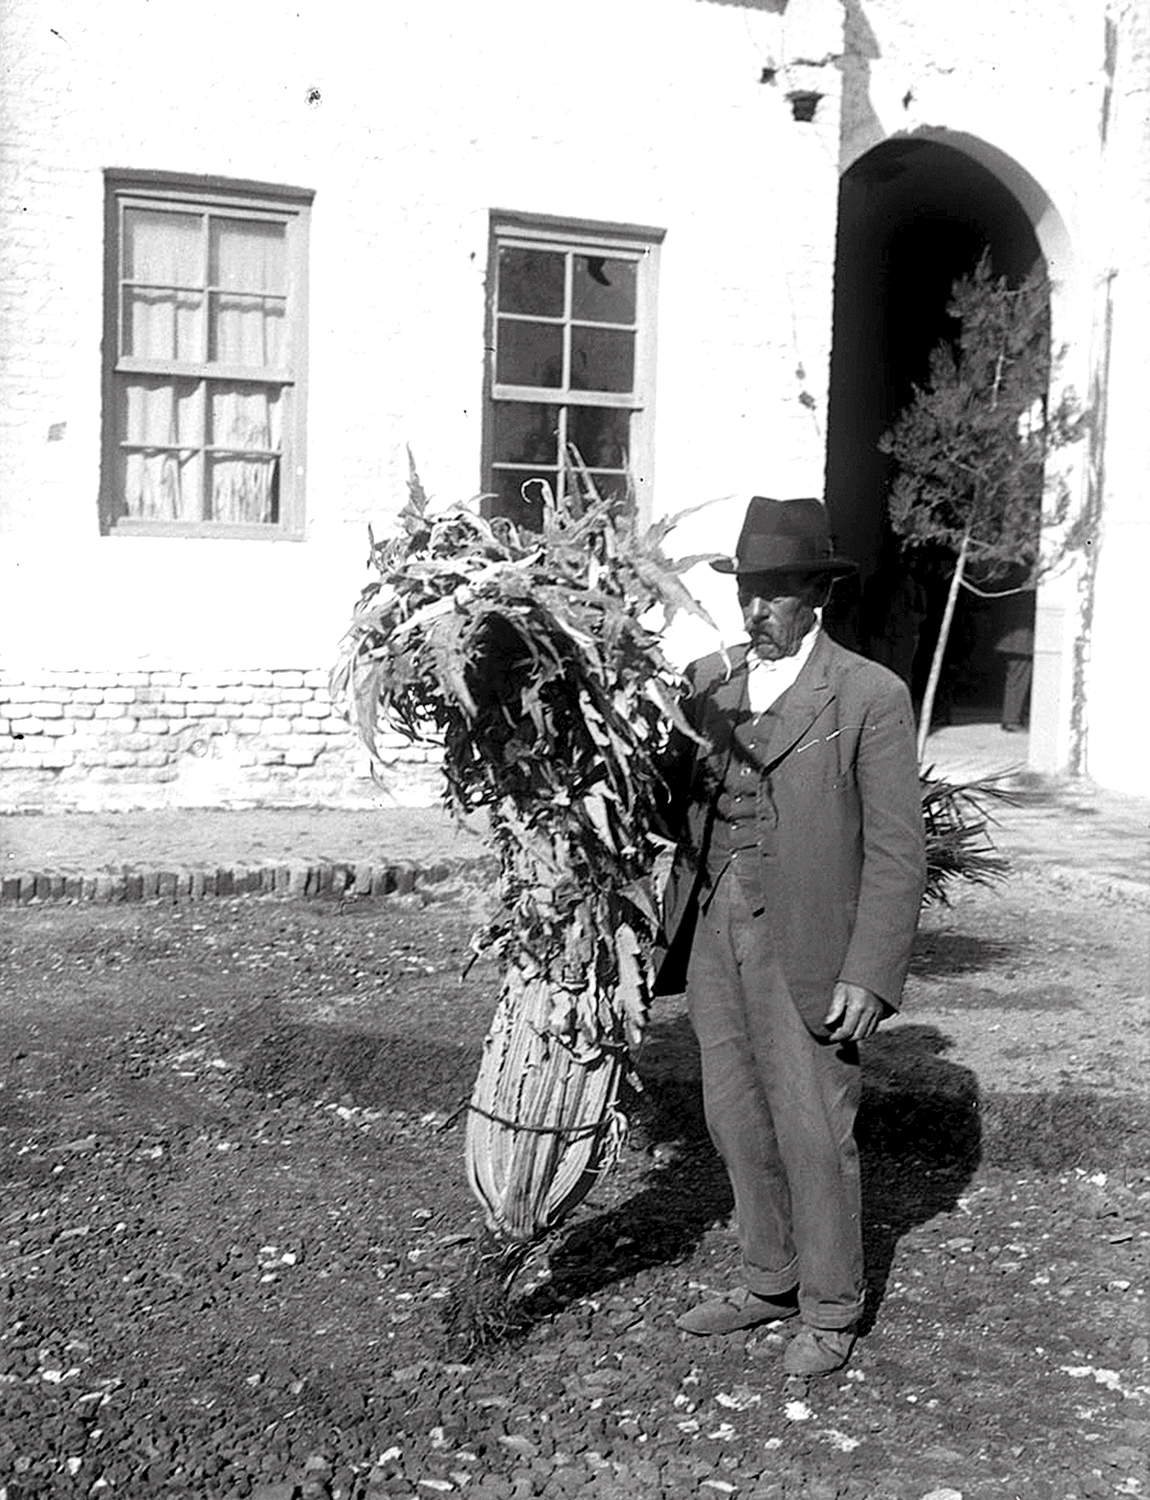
(971, 446)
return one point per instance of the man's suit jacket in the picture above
(839, 822)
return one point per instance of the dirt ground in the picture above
(232, 1210)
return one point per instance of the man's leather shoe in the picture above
(740, 1308)
(818, 1351)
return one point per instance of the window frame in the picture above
(642, 243)
(255, 201)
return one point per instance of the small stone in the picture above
(943, 1495)
(490, 1487)
(522, 1447)
(567, 1481)
(85, 1143)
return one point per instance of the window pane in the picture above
(602, 359)
(247, 330)
(530, 354)
(163, 249)
(160, 486)
(248, 256)
(244, 416)
(601, 434)
(531, 281)
(610, 486)
(160, 413)
(159, 464)
(244, 489)
(163, 325)
(602, 290)
(526, 433)
(510, 500)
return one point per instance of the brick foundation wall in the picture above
(94, 740)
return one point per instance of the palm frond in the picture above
(958, 820)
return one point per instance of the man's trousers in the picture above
(780, 1107)
(1016, 691)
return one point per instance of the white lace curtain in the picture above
(168, 424)
(202, 290)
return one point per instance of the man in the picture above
(1016, 644)
(789, 914)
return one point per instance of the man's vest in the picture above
(745, 814)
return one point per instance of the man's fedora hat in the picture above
(785, 536)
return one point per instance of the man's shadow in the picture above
(919, 1137)
(920, 1141)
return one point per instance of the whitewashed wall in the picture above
(1116, 727)
(644, 111)
(1053, 100)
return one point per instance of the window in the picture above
(571, 359)
(204, 357)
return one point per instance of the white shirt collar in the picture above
(767, 680)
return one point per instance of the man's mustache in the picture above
(778, 630)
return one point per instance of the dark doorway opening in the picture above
(913, 216)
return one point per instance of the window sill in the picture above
(202, 531)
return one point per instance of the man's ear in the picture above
(819, 590)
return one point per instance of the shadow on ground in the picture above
(923, 1131)
(368, 1069)
(918, 1131)
(945, 955)
(924, 1128)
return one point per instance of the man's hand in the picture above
(855, 1013)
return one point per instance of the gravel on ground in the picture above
(232, 1211)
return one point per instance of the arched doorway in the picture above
(915, 213)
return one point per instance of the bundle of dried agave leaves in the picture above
(532, 659)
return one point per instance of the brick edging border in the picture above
(196, 882)
(114, 884)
